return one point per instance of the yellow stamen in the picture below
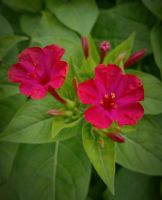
(113, 95)
(106, 96)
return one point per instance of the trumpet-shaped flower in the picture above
(113, 96)
(39, 69)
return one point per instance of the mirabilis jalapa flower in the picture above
(39, 70)
(113, 96)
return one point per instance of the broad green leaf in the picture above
(154, 6)
(153, 92)
(56, 171)
(116, 26)
(8, 191)
(31, 124)
(156, 42)
(102, 157)
(124, 48)
(7, 155)
(81, 14)
(46, 29)
(134, 186)
(62, 130)
(5, 27)
(44, 25)
(136, 11)
(142, 150)
(8, 42)
(27, 5)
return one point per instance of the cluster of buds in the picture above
(105, 47)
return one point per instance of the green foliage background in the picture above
(37, 163)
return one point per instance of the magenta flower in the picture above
(39, 70)
(114, 97)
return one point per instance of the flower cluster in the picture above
(112, 96)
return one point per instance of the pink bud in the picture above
(116, 137)
(104, 48)
(134, 58)
(85, 47)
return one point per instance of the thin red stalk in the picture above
(56, 95)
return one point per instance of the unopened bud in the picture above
(104, 49)
(59, 112)
(85, 47)
(56, 112)
(120, 58)
(134, 58)
(75, 84)
(116, 137)
(102, 143)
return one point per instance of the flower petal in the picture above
(128, 114)
(108, 76)
(88, 93)
(33, 59)
(130, 89)
(33, 90)
(58, 75)
(97, 117)
(17, 73)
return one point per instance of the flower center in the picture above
(108, 101)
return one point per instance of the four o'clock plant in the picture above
(108, 101)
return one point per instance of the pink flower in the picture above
(38, 70)
(114, 97)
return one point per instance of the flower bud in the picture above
(85, 47)
(104, 48)
(116, 137)
(75, 84)
(134, 58)
(56, 112)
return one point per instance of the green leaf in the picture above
(31, 124)
(102, 157)
(117, 24)
(154, 6)
(44, 25)
(62, 130)
(134, 186)
(87, 67)
(93, 52)
(8, 42)
(81, 14)
(7, 155)
(27, 5)
(156, 42)
(8, 191)
(153, 95)
(59, 171)
(46, 29)
(5, 27)
(135, 11)
(142, 150)
(123, 48)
